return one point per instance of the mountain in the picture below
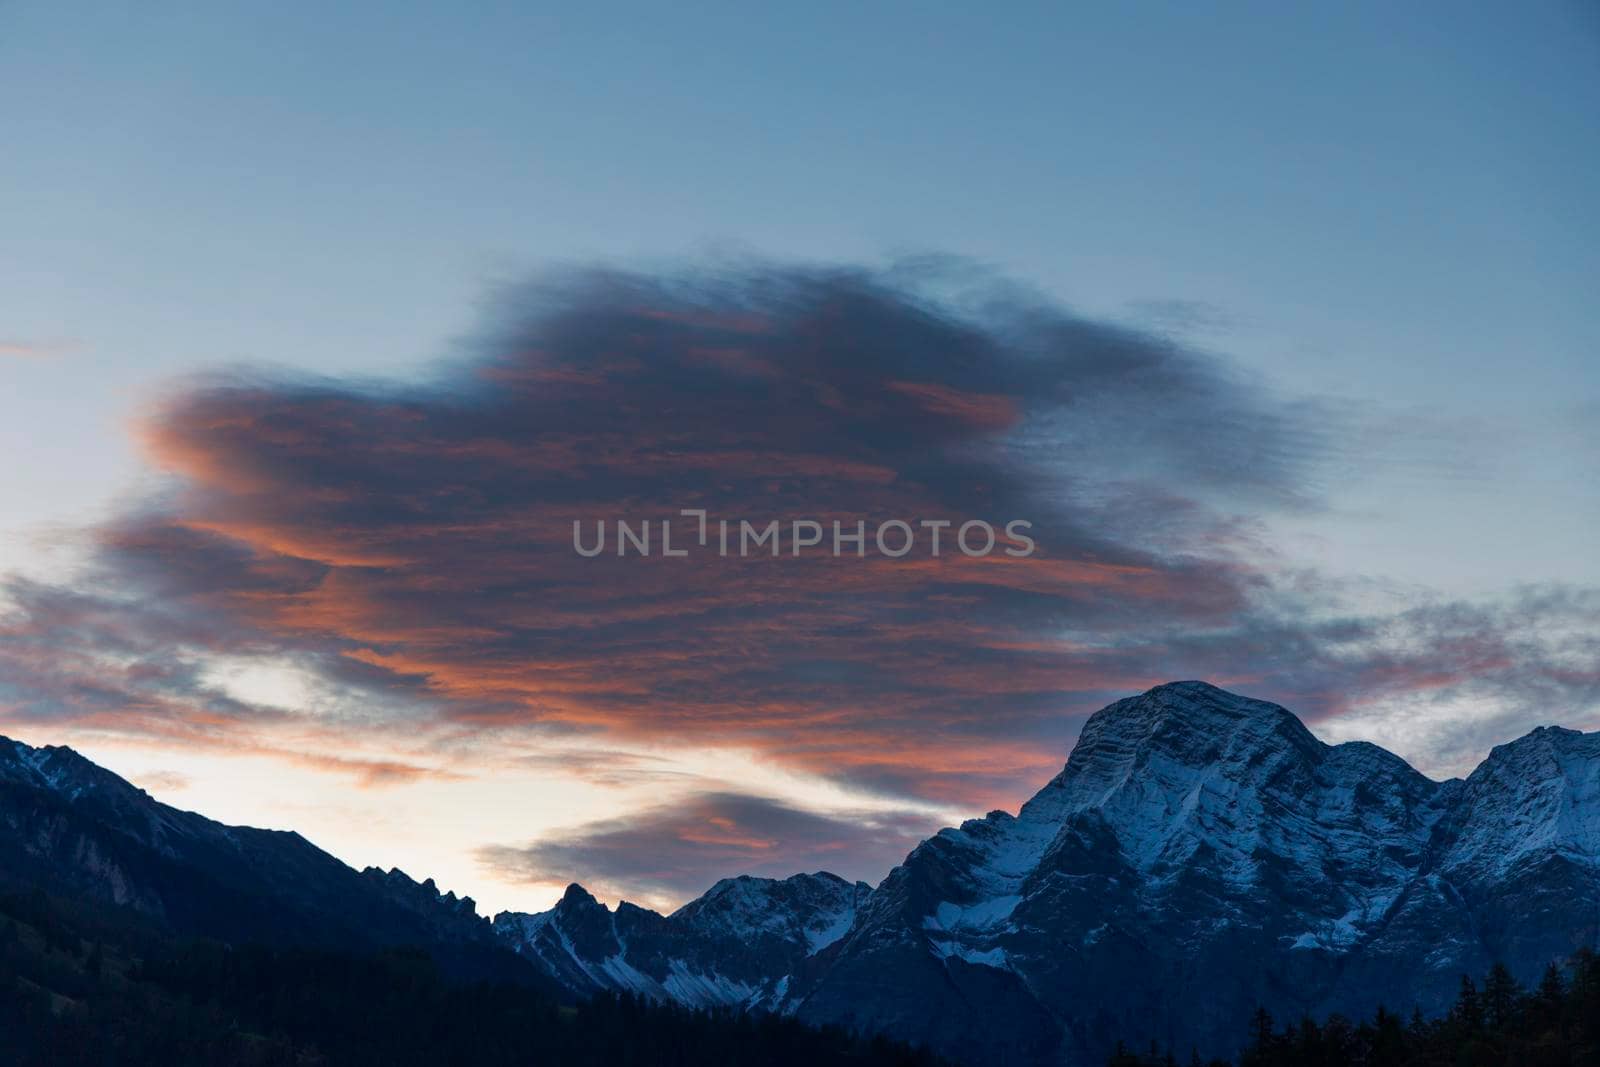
(76, 829)
(1200, 854)
(137, 934)
(731, 947)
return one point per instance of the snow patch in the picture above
(991, 957)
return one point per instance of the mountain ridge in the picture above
(1199, 853)
(1238, 860)
(70, 826)
(1307, 877)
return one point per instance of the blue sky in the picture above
(1387, 209)
(1389, 203)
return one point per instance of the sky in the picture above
(319, 328)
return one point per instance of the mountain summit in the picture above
(1200, 854)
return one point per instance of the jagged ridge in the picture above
(1200, 853)
(732, 946)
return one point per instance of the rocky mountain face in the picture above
(74, 828)
(1200, 854)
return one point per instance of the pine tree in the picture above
(1584, 972)
(1261, 1023)
(1123, 1058)
(1500, 994)
(1469, 1008)
(1551, 988)
(1388, 1039)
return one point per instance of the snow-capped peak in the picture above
(1535, 796)
(730, 946)
(1201, 848)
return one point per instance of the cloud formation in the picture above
(406, 549)
(418, 538)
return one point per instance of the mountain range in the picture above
(1200, 854)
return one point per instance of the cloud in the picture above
(675, 852)
(1442, 680)
(407, 546)
(136, 669)
(416, 539)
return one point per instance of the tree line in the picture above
(1493, 1023)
